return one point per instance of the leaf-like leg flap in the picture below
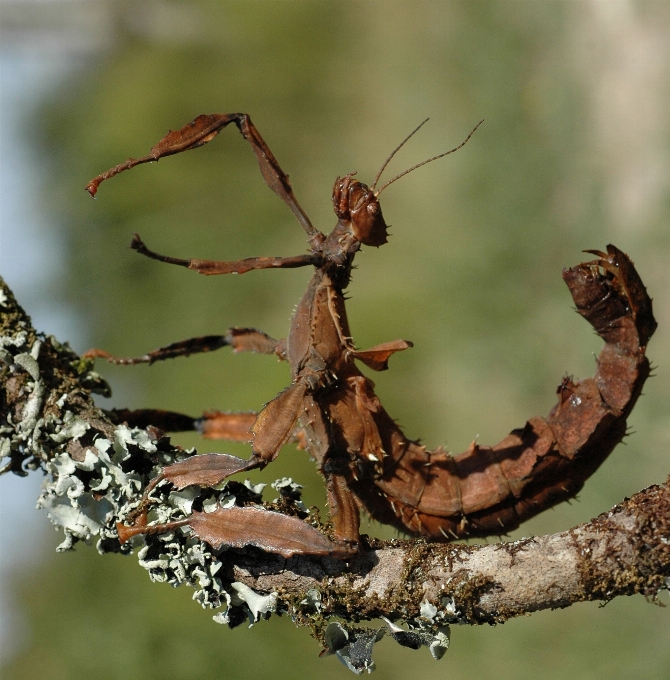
(377, 357)
(270, 531)
(213, 267)
(342, 506)
(236, 427)
(207, 469)
(230, 426)
(253, 340)
(368, 403)
(274, 425)
(194, 134)
(233, 427)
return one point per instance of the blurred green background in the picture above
(573, 155)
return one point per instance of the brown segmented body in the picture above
(331, 408)
(491, 490)
(549, 460)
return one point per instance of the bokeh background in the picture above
(574, 154)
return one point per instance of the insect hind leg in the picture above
(228, 426)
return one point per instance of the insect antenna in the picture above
(429, 160)
(395, 151)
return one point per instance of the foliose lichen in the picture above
(95, 473)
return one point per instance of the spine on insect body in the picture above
(491, 490)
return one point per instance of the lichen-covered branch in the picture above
(96, 471)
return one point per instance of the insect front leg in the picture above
(213, 267)
(202, 130)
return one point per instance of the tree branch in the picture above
(97, 470)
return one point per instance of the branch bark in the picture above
(97, 471)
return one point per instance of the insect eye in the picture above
(373, 208)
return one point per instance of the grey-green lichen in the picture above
(95, 473)
(45, 396)
(353, 646)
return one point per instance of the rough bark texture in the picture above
(621, 552)
(48, 421)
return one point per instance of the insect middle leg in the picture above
(240, 339)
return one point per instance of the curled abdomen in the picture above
(491, 490)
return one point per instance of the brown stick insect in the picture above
(331, 408)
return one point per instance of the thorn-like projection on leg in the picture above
(207, 469)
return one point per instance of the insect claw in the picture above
(443, 533)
